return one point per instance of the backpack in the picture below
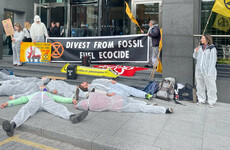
(187, 93)
(86, 61)
(151, 88)
(166, 89)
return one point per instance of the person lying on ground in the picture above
(111, 87)
(64, 89)
(40, 101)
(101, 102)
(5, 77)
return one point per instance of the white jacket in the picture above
(18, 36)
(38, 30)
(206, 60)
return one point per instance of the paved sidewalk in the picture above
(191, 127)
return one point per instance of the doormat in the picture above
(122, 70)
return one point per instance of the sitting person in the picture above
(101, 102)
(111, 87)
(40, 101)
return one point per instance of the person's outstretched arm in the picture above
(21, 100)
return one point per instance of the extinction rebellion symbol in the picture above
(222, 22)
(227, 4)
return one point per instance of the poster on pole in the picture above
(126, 48)
(8, 27)
(35, 52)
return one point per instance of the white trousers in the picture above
(33, 106)
(16, 54)
(153, 52)
(206, 83)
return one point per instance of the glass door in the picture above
(84, 20)
(144, 11)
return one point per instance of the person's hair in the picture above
(153, 22)
(208, 37)
(27, 25)
(19, 26)
(83, 88)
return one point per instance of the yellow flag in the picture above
(64, 68)
(159, 67)
(222, 7)
(222, 23)
(160, 43)
(130, 14)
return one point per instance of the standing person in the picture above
(154, 35)
(38, 30)
(59, 29)
(206, 56)
(16, 44)
(26, 31)
(40, 101)
(53, 30)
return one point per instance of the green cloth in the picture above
(25, 99)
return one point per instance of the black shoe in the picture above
(169, 111)
(75, 118)
(93, 90)
(77, 94)
(8, 127)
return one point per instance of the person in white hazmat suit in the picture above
(16, 44)
(38, 30)
(18, 88)
(205, 75)
(101, 102)
(62, 88)
(111, 87)
(40, 101)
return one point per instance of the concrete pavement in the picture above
(191, 127)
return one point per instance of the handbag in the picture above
(187, 93)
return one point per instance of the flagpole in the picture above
(205, 27)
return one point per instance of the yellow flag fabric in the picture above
(160, 44)
(64, 68)
(159, 67)
(130, 14)
(222, 7)
(222, 23)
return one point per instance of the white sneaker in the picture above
(199, 103)
(210, 105)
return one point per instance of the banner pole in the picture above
(205, 27)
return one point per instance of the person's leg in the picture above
(210, 83)
(137, 107)
(18, 55)
(129, 90)
(4, 76)
(61, 111)
(154, 55)
(14, 55)
(200, 86)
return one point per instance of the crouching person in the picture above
(40, 101)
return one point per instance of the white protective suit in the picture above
(18, 36)
(117, 103)
(18, 88)
(118, 88)
(40, 101)
(206, 73)
(64, 89)
(38, 31)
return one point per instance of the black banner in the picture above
(129, 48)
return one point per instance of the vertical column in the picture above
(178, 28)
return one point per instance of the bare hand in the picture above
(55, 91)
(11, 97)
(34, 41)
(74, 101)
(111, 94)
(3, 105)
(147, 34)
(142, 32)
(13, 40)
(196, 49)
(113, 82)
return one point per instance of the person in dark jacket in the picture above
(53, 30)
(154, 35)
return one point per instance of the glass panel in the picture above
(218, 25)
(84, 20)
(52, 1)
(145, 13)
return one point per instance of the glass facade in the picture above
(218, 25)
